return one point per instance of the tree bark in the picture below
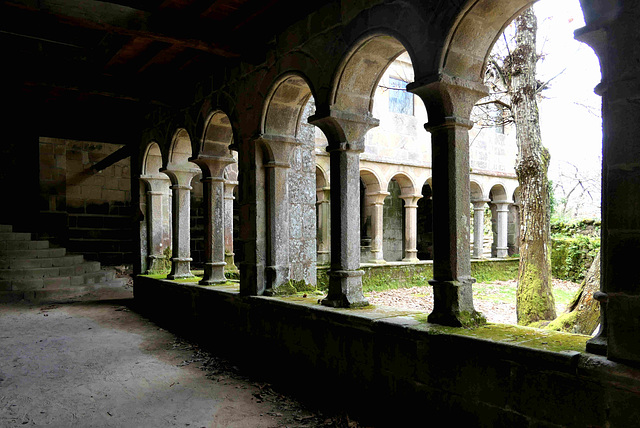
(534, 300)
(582, 314)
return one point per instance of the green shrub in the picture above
(571, 257)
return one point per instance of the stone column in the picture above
(609, 26)
(278, 206)
(478, 227)
(410, 227)
(502, 247)
(213, 186)
(323, 213)
(229, 186)
(345, 133)
(449, 102)
(376, 201)
(158, 190)
(181, 221)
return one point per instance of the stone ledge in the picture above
(389, 365)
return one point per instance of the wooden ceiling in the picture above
(147, 52)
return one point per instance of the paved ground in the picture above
(100, 364)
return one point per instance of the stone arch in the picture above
(371, 180)
(474, 33)
(476, 191)
(360, 72)
(406, 182)
(218, 135)
(152, 159)
(285, 105)
(180, 150)
(498, 193)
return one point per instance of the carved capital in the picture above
(344, 130)
(448, 99)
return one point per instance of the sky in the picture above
(571, 132)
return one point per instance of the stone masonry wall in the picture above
(302, 196)
(85, 211)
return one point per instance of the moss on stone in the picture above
(525, 336)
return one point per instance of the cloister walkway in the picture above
(101, 364)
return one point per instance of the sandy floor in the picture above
(100, 364)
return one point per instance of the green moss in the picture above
(525, 336)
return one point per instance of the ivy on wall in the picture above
(574, 246)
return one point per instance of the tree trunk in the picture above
(534, 301)
(582, 315)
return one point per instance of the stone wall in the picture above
(391, 368)
(86, 211)
(393, 225)
(302, 196)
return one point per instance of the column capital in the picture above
(502, 205)
(479, 204)
(280, 148)
(377, 198)
(448, 99)
(411, 201)
(344, 130)
(181, 176)
(156, 183)
(213, 166)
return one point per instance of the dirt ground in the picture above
(101, 364)
(496, 301)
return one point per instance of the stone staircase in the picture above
(31, 270)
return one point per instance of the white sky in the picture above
(569, 131)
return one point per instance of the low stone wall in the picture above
(391, 368)
(501, 269)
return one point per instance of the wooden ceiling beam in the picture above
(123, 20)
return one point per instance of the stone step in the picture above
(24, 245)
(50, 272)
(4, 228)
(59, 294)
(33, 254)
(67, 260)
(57, 282)
(15, 236)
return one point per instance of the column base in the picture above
(411, 260)
(345, 289)
(453, 304)
(277, 278)
(251, 279)
(213, 273)
(157, 264)
(180, 268)
(229, 260)
(597, 345)
(502, 252)
(323, 258)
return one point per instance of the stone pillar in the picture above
(449, 102)
(478, 227)
(181, 221)
(277, 206)
(323, 213)
(610, 30)
(158, 190)
(345, 133)
(251, 211)
(229, 185)
(502, 246)
(213, 186)
(410, 227)
(376, 201)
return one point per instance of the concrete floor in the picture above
(100, 364)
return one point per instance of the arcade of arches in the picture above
(250, 132)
